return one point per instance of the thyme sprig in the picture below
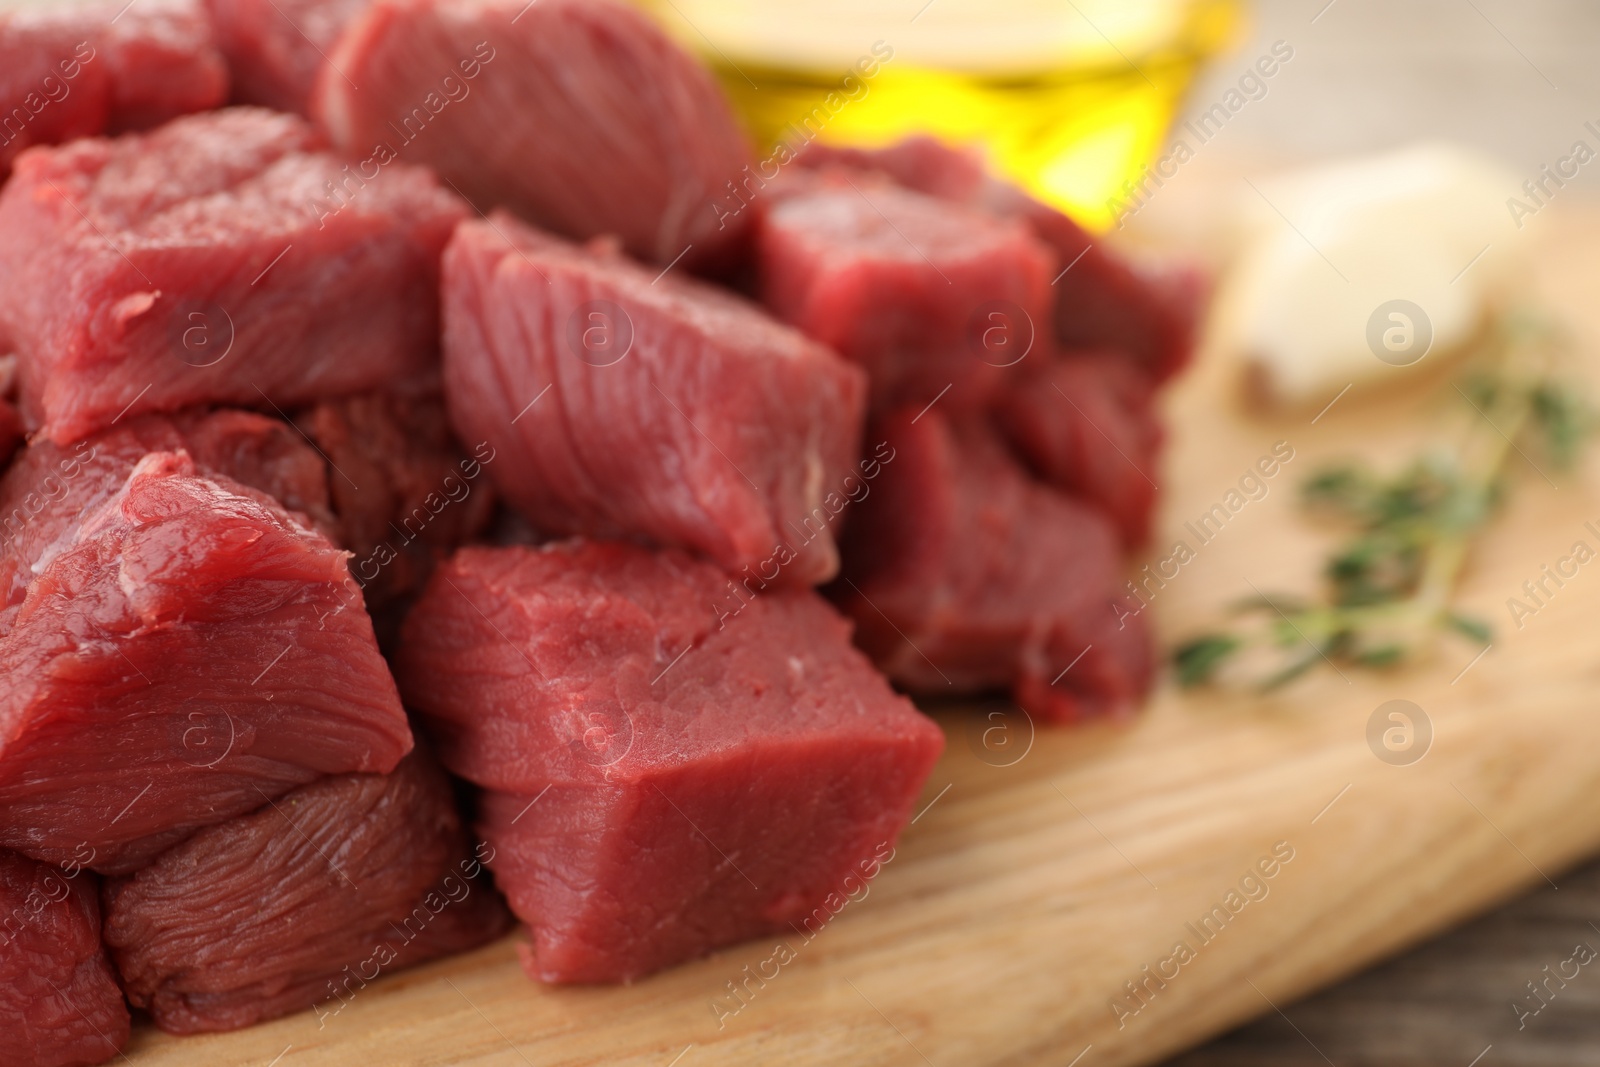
(1388, 587)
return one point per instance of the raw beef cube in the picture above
(276, 48)
(224, 258)
(936, 301)
(302, 903)
(183, 651)
(76, 70)
(676, 412)
(1087, 424)
(581, 116)
(257, 450)
(405, 492)
(46, 496)
(675, 762)
(1102, 300)
(54, 83)
(1109, 302)
(379, 474)
(162, 60)
(964, 575)
(59, 1003)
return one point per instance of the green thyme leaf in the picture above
(1387, 584)
(1197, 660)
(1297, 666)
(1474, 628)
(1380, 656)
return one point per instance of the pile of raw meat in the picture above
(405, 389)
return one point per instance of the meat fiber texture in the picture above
(405, 492)
(628, 404)
(964, 575)
(179, 647)
(276, 48)
(76, 70)
(302, 903)
(936, 301)
(212, 262)
(59, 1002)
(581, 116)
(1102, 300)
(1087, 424)
(673, 762)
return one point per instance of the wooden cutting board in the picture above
(1041, 877)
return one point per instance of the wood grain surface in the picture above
(1460, 999)
(1047, 870)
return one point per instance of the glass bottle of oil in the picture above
(1069, 98)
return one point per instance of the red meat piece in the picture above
(182, 650)
(405, 492)
(676, 412)
(1108, 302)
(208, 262)
(54, 83)
(580, 115)
(379, 474)
(921, 163)
(302, 903)
(59, 1003)
(934, 300)
(674, 763)
(964, 575)
(46, 496)
(276, 48)
(76, 70)
(162, 60)
(1102, 300)
(1087, 424)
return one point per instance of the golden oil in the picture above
(1069, 98)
